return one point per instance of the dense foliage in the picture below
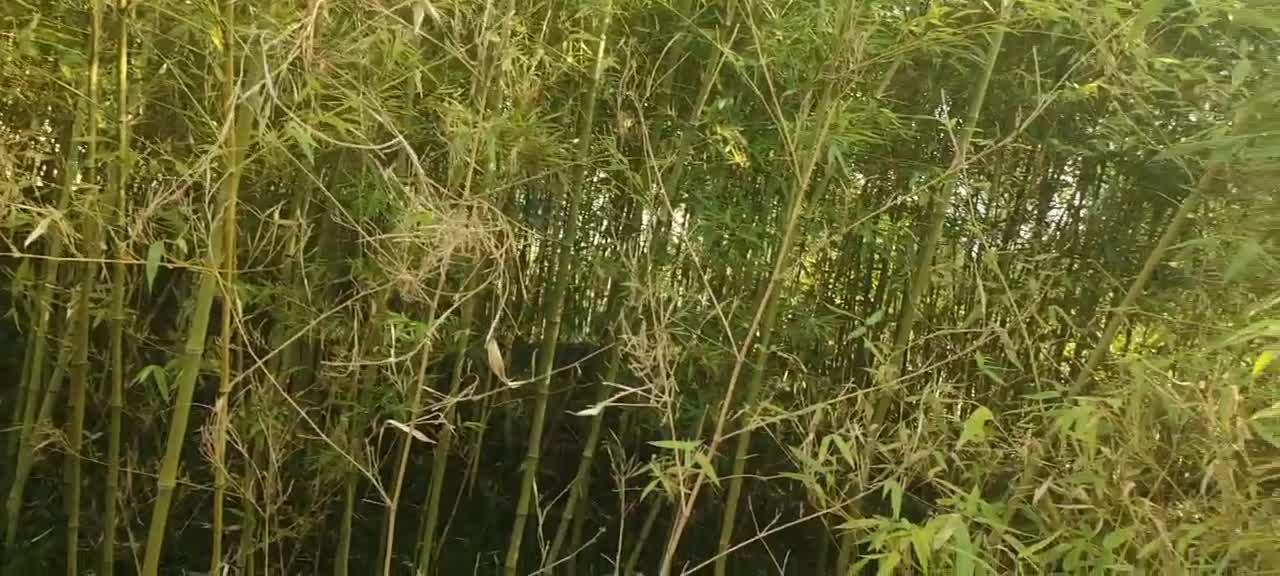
(671, 286)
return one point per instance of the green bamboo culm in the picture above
(364, 377)
(939, 208)
(119, 283)
(91, 234)
(239, 121)
(768, 306)
(444, 440)
(34, 385)
(646, 528)
(229, 229)
(387, 547)
(555, 300)
(580, 486)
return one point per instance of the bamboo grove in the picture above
(639, 286)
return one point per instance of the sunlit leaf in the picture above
(155, 253)
(975, 426)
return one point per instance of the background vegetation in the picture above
(574, 286)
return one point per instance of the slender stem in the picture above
(415, 404)
(119, 283)
(939, 207)
(364, 378)
(222, 412)
(444, 441)
(35, 383)
(91, 231)
(240, 120)
(650, 520)
(1083, 380)
(555, 301)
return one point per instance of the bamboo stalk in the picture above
(939, 207)
(91, 231)
(119, 280)
(555, 302)
(34, 383)
(1083, 380)
(581, 484)
(650, 519)
(239, 122)
(229, 229)
(768, 310)
(444, 442)
(415, 402)
(364, 377)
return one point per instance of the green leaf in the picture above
(155, 253)
(965, 552)
(845, 451)
(39, 230)
(1266, 424)
(1240, 72)
(894, 489)
(921, 541)
(1264, 360)
(704, 463)
(975, 426)
(859, 524)
(302, 136)
(159, 376)
(1030, 551)
(986, 369)
(888, 563)
(675, 444)
(1117, 538)
(1149, 11)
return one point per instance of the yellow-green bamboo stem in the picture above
(415, 403)
(119, 282)
(580, 487)
(444, 441)
(248, 519)
(364, 377)
(239, 122)
(650, 519)
(20, 399)
(229, 229)
(34, 383)
(91, 232)
(1208, 180)
(555, 301)
(940, 206)
(768, 311)
(581, 483)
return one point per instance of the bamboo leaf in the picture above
(678, 445)
(975, 426)
(1264, 360)
(704, 464)
(1117, 538)
(155, 253)
(39, 230)
(922, 543)
(888, 563)
(401, 426)
(894, 489)
(496, 362)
